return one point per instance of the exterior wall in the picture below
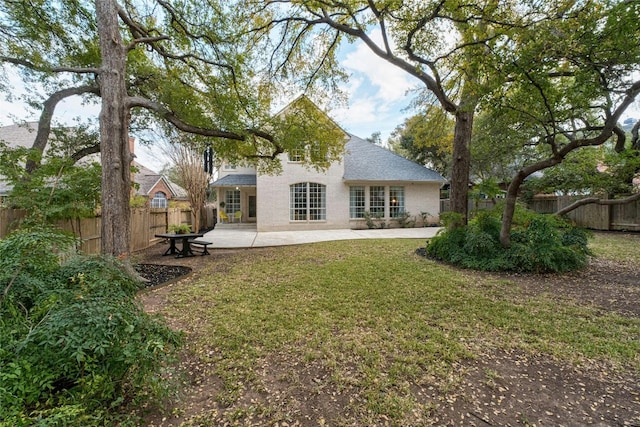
(273, 198)
(419, 197)
(226, 169)
(423, 197)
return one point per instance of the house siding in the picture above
(273, 198)
(419, 197)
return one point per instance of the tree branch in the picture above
(44, 123)
(49, 69)
(160, 110)
(598, 201)
(80, 154)
(406, 66)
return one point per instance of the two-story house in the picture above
(368, 180)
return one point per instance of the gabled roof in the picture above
(147, 180)
(365, 161)
(238, 180)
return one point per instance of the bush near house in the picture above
(74, 343)
(539, 243)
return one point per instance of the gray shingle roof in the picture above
(21, 135)
(239, 180)
(365, 161)
(147, 179)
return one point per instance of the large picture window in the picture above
(307, 202)
(396, 201)
(376, 200)
(356, 202)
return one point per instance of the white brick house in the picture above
(368, 178)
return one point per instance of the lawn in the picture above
(368, 333)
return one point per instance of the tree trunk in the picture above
(114, 135)
(510, 209)
(461, 162)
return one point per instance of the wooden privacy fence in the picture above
(145, 224)
(624, 217)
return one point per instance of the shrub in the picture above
(539, 243)
(451, 219)
(74, 343)
(405, 220)
(179, 228)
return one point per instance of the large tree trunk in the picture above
(114, 138)
(461, 162)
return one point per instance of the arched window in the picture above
(159, 200)
(307, 202)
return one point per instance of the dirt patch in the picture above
(609, 285)
(499, 387)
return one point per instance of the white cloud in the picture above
(390, 83)
(377, 91)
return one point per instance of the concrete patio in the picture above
(246, 236)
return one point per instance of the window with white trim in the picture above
(232, 201)
(296, 155)
(317, 153)
(396, 201)
(356, 201)
(376, 200)
(159, 200)
(307, 202)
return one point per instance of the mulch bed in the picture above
(158, 274)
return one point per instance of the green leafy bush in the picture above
(179, 228)
(74, 343)
(539, 243)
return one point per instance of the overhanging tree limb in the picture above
(44, 123)
(160, 110)
(49, 68)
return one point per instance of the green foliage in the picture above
(427, 139)
(179, 228)
(539, 243)
(138, 201)
(374, 220)
(451, 219)
(405, 220)
(58, 189)
(74, 343)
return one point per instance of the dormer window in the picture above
(296, 155)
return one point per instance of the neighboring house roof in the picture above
(148, 179)
(15, 136)
(236, 181)
(21, 135)
(365, 161)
